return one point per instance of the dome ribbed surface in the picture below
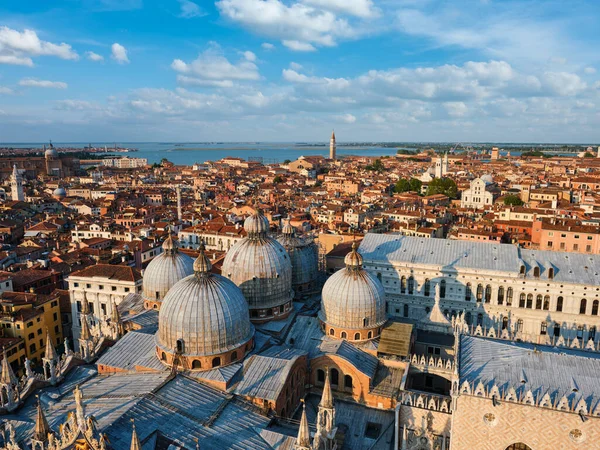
(304, 257)
(163, 272)
(208, 312)
(350, 296)
(257, 223)
(262, 269)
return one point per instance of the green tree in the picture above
(287, 161)
(444, 186)
(403, 185)
(513, 200)
(588, 155)
(415, 185)
(277, 179)
(377, 166)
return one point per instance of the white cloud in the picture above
(119, 53)
(299, 46)
(19, 48)
(212, 65)
(299, 26)
(267, 46)
(510, 33)
(75, 105)
(5, 90)
(345, 118)
(564, 83)
(295, 66)
(359, 8)
(94, 56)
(31, 82)
(191, 81)
(589, 70)
(558, 60)
(249, 56)
(190, 9)
(456, 109)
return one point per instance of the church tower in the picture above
(16, 185)
(326, 429)
(439, 171)
(332, 146)
(445, 164)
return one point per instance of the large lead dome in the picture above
(163, 272)
(353, 302)
(203, 322)
(261, 267)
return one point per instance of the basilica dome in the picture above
(51, 153)
(204, 321)
(304, 258)
(261, 267)
(59, 193)
(353, 302)
(163, 272)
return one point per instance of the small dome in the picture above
(304, 257)
(288, 229)
(165, 270)
(204, 315)
(51, 153)
(353, 299)
(487, 179)
(59, 192)
(256, 224)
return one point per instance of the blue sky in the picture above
(292, 70)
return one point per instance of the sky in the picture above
(293, 70)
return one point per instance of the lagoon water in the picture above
(190, 153)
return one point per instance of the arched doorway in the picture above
(518, 446)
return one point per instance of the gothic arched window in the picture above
(529, 301)
(509, 296)
(479, 293)
(582, 306)
(559, 304)
(335, 377)
(443, 289)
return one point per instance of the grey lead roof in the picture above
(264, 375)
(522, 366)
(133, 349)
(306, 334)
(577, 268)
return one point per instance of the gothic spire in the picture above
(303, 440)
(135, 440)
(8, 376)
(85, 328)
(85, 307)
(327, 398)
(42, 429)
(50, 350)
